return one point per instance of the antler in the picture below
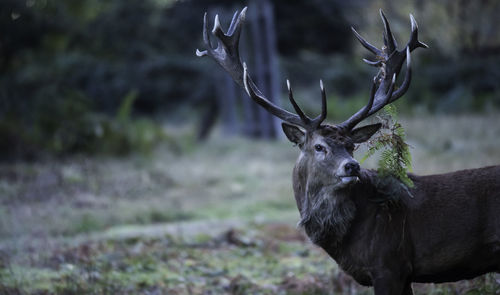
(227, 55)
(390, 60)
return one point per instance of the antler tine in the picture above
(316, 122)
(366, 44)
(376, 63)
(226, 54)
(301, 114)
(414, 42)
(389, 40)
(386, 98)
(362, 113)
(255, 94)
(323, 101)
(232, 26)
(406, 83)
(206, 38)
(309, 124)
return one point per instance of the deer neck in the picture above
(327, 215)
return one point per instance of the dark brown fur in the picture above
(445, 228)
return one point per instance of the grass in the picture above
(217, 218)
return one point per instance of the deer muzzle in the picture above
(348, 171)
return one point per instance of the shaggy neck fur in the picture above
(326, 213)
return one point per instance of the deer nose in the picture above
(351, 168)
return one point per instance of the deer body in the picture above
(445, 228)
(445, 231)
(455, 224)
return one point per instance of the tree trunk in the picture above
(265, 62)
(226, 98)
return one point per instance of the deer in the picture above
(444, 228)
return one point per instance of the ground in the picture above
(216, 218)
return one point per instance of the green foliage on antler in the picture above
(395, 157)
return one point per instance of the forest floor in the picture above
(216, 218)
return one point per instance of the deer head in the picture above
(326, 150)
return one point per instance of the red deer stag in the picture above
(445, 228)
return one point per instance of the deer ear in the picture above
(293, 133)
(364, 133)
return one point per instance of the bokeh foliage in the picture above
(67, 66)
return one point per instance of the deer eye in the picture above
(319, 148)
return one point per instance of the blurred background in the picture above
(72, 72)
(129, 165)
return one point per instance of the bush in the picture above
(68, 124)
